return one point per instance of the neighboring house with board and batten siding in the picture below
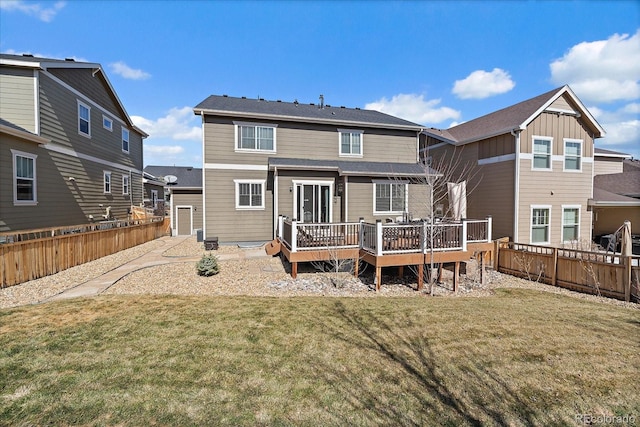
(69, 152)
(312, 162)
(534, 163)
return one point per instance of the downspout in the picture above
(275, 201)
(516, 197)
(204, 185)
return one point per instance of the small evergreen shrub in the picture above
(208, 266)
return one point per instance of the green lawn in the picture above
(517, 358)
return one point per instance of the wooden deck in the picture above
(386, 245)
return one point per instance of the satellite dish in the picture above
(170, 179)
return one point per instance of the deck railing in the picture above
(380, 239)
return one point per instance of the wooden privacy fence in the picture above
(21, 261)
(608, 274)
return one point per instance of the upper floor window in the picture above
(107, 182)
(125, 140)
(350, 143)
(540, 224)
(84, 119)
(24, 178)
(542, 153)
(249, 194)
(570, 223)
(107, 123)
(572, 155)
(390, 198)
(125, 184)
(255, 137)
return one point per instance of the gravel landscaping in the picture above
(246, 271)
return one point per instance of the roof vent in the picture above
(225, 96)
(244, 97)
(296, 102)
(28, 55)
(342, 106)
(260, 99)
(321, 101)
(278, 100)
(70, 59)
(357, 108)
(311, 103)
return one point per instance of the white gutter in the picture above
(516, 197)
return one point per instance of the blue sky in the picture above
(434, 63)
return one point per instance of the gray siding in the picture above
(295, 140)
(224, 220)
(17, 97)
(60, 201)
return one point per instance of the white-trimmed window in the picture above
(389, 198)
(570, 223)
(125, 184)
(106, 182)
(255, 137)
(84, 119)
(24, 178)
(542, 152)
(350, 142)
(573, 155)
(249, 193)
(107, 123)
(540, 224)
(125, 140)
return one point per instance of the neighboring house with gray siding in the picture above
(68, 148)
(183, 187)
(534, 167)
(314, 163)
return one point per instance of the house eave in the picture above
(262, 116)
(23, 135)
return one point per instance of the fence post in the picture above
(463, 240)
(379, 237)
(489, 226)
(294, 235)
(627, 278)
(554, 278)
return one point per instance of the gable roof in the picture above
(30, 61)
(294, 111)
(513, 118)
(344, 167)
(188, 177)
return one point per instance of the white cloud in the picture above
(622, 128)
(45, 14)
(127, 72)
(179, 124)
(482, 84)
(414, 108)
(602, 70)
(164, 149)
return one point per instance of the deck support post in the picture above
(482, 267)
(356, 267)
(401, 271)
(294, 269)
(456, 276)
(420, 276)
(378, 277)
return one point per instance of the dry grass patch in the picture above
(517, 358)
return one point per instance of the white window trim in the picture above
(531, 224)
(406, 198)
(253, 150)
(351, 131)
(564, 154)
(297, 182)
(80, 103)
(16, 202)
(579, 207)
(249, 181)
(110, 127)
(106, 174)
(533, 153)
(122, 133)
(125, 178)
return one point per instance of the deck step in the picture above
(273, 247)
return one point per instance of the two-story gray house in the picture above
(311, 162)
(69, 152)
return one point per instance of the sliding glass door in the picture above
(313, 202)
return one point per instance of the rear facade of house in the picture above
(68, 149)
(534, 165)
(313, 163)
